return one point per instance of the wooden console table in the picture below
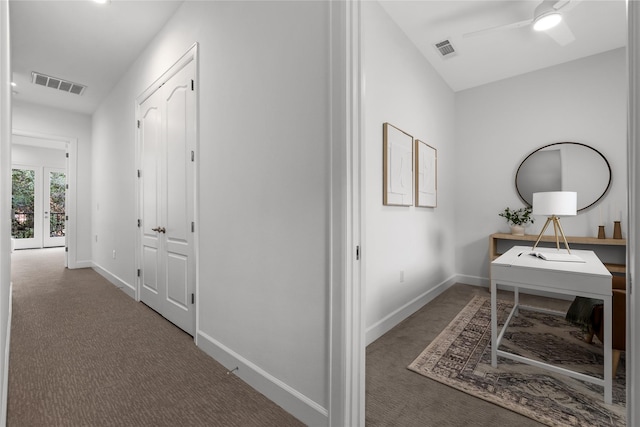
(586, 241)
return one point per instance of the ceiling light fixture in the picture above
(546, 22)
(102, 1)
(13, 84)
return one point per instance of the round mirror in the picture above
(564, 166)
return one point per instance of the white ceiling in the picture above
(82, 42)
(598, 26)
(94, 45)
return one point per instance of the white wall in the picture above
(37, 156)
(499, 124)
(402, 88)
(48, 121)
(264, 173)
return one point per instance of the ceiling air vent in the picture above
(445, 48)
(56, 83)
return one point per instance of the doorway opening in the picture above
(43, 193)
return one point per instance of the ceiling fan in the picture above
(548, 17)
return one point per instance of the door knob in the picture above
(159, 229)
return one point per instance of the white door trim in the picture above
(633, 252)
(71, 143)
(190, 55)
(347, 361)
(5, 201)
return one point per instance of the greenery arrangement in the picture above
(520, 216)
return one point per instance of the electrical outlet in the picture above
(401, 276)
(114, 254)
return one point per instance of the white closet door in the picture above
(167, 189)
(151, 149)
(178, 212)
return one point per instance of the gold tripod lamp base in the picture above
(556, 227)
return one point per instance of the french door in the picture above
(54, 223)
(167, 136)
(38, 207)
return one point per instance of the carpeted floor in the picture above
(85, 354)
(395, 396)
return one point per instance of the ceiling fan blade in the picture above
(566, 5)
(561, 33)
(498, 28)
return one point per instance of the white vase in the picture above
(517, 230)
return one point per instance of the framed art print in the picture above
(426, 175)
(397, 167)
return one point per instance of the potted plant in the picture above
(518, 219)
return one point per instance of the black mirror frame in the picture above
(559, 143)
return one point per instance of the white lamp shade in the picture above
(558, 203)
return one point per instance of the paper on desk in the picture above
(560, 257)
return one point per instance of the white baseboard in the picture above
(291, 400)
(473, 280)
(115, 280)
(5, 367)
(80, 264)
(390, 321)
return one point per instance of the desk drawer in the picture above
(555, 281)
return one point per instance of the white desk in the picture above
(590, 279)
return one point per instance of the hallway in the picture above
(84, 353)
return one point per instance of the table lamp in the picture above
(555, 204)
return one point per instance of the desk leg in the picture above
(494, 325)
(608, 365)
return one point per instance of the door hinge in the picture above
(67, 186)
(193, 227)
(66, 218)
(193, 299)
(192, 84)
(193, 156)
(139, 223)
(66, 155)
(138, 124)
(139, 173)
(138, 272)
(66, 249)
(357, 253)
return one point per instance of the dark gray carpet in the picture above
(395, 396)
(85, 354)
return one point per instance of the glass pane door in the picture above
(25, 204)
(54, 214)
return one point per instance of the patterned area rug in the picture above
(460, 357)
